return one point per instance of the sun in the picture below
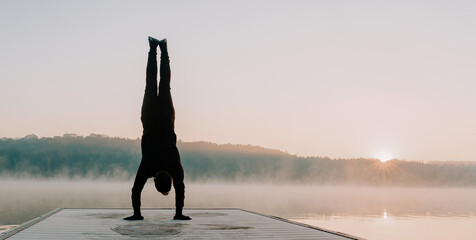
(384, 156)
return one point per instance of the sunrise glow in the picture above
(384, 156)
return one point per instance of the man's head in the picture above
(163, 182)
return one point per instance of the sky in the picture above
(342, 79)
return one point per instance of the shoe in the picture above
(153, 42)
(163, 45)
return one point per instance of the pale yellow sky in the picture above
(341, 79)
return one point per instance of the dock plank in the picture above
(158, 224)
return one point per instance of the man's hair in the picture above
(163, 182)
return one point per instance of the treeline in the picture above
(101, 156)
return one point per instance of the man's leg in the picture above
(164, 65)
(165, 98)
(149, 108)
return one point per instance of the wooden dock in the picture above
(158, 224)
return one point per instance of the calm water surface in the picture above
(367, 212)
(388, 226)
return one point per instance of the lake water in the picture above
(387, 226)
(368, 212)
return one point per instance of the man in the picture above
(160, 156)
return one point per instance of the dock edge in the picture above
(28, 224)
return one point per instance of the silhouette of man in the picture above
(160, 156)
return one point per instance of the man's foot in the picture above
(181, 217)
(153, 43)
(163, 45)
(134, 218)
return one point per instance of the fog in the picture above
(24, 199)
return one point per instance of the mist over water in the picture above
(22, 200)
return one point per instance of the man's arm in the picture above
(139, 182)
(179, 187)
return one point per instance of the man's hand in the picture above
(134, 218)
(181, 217)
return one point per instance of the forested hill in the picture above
(118, 158)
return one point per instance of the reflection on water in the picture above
(402, 213)
(369, 212)
(387, 226)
